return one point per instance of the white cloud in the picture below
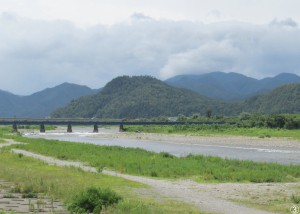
(287, 22)
(35, 54)
(209, 56)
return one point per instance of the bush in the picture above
(28, 192)
(154, 174)
(296, 199)
(92, 200)
(166, 155)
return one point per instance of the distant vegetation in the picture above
(245, 119)
(216, 130)
(246, 124)
(147, 97)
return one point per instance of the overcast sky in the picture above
(47, 42)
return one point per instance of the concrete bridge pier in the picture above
(69, 130)
(15, 127)
(95, 128)
(42, 128)
(121, 128)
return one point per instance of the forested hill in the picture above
(230, 86)
(285, 99)
(140, 97)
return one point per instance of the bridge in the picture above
(69, 122)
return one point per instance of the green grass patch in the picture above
(295, 199)
(142, 162)
(282, 205)
(31, 175)
(213, 130)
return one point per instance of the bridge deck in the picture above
(18, 121)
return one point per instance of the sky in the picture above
(44, 43)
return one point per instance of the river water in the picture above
(256, 153)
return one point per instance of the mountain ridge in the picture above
(138, 96)
(146, 97)
(40, 104)
(230, 86)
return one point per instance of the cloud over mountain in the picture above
(51, 52)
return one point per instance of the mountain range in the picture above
(145, 96)
(40, 104)
(230, 86)
(139, 97)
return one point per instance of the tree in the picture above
(195, 116)
(209, 113)
(181, 118)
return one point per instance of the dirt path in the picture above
(9, 143)
(211, 198)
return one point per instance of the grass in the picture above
(296, 199)
(64, 183)
(216, 130)
(272, 201)
(282, 205)
(145, 163)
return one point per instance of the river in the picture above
(282, 155)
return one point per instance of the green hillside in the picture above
(146, 97)
(140, 96)
(285, 99)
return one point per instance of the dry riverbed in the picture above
(212, 140)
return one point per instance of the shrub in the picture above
(166, 155)
(154, 174)
(30, 195)
(28, 192)
(296, 199)
(92, 200)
